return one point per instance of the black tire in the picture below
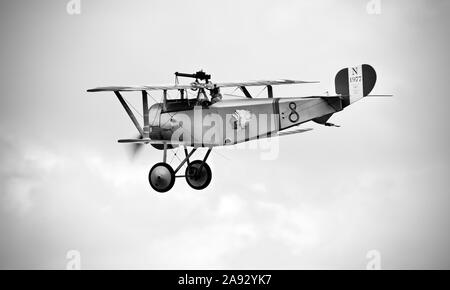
(161, 177)
(195, 180)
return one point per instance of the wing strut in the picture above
(270, 92)
(129, 112)
(145, 109)
(246, 92)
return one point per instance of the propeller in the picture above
(135, 148)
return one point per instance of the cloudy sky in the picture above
(380, 182)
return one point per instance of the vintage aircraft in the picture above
(209, 122)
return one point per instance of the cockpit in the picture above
(183, 102)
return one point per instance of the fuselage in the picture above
(230, 122)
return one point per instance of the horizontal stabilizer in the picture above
(298, 131)
(380, 96)
(344, 96)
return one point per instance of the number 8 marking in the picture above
(293, 116)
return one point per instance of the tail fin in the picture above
(354, 83)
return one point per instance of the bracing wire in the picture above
(131, 105)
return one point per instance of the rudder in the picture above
(354, 83)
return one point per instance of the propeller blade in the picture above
(135, 148)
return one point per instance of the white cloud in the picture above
(230, 206)
(16, 195)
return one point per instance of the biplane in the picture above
(207, 120)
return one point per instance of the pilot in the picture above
(216, 96)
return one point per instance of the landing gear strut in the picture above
(198, 174)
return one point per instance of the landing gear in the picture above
(161, 177)
(198, 174)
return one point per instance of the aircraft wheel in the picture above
(161, 177)
(196, 179)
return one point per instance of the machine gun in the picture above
(200, 75)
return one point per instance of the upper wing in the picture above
(139, 88)
(263, 83)
(199, 85)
